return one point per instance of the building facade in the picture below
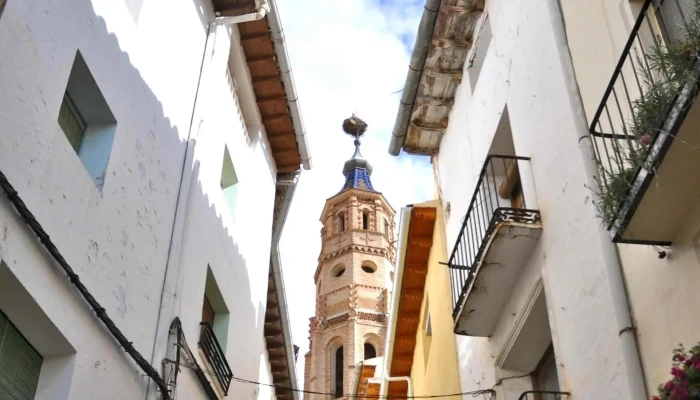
(133, 146)
(353, 277)
(421, 345)
(562, 153)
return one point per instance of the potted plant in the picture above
(685, 384)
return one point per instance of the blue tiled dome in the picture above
(357, 172)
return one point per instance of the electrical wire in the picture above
(355, 396)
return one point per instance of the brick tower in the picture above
(353, 279)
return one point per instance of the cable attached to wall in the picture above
(44, 238)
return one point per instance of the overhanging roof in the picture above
(437, 64)
(410, 295)
(271, 97)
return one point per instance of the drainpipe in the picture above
(613, 268)
(290, 91)
(259, 13)
(277, 226)
(393, 316)
(415, 69)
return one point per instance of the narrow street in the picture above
(359, 199)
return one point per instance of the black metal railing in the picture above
(543, 395)
(498, 198)
(215, 355)
(644, 92)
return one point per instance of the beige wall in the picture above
(663, 292)
(435, 370)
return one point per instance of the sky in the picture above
(347, 56)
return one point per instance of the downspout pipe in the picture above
(275, 259)
(288, 83)
(415, 70)
(260, 13)
(613, 268)
(394, 315)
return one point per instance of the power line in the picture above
(357, 396)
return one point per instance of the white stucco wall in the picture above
(145, 58)
(523, 74)
(661, 291)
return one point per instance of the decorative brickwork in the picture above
(350, 307)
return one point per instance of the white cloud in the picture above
(347, 56)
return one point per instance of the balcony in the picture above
(497, 236)
(215, 356)
(543, 395)
(646, 130)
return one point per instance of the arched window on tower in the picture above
(386, 227)
(341, 222)
(337, 381)
(370, 351)
(365, 220)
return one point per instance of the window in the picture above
(207, 311)
(337, 381)
(386, 227)
(71, 122)
(427, 331)
(545, 377)
(673, 17)
(229, 182)
(214, 310)
(369, 267)
(365, 220)
(511, 188)
(338, 271)
(87, 121)
(370, 351)
(341, 222)
(20, 363)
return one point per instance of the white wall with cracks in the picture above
(660, 289)
(145, 59)
(523, 79)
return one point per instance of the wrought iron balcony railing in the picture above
(215, 355)
(498, 198)
(644, 104)
(543, 395)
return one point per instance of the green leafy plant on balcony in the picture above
(685, 384)
(664, 69)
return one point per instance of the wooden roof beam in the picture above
(433, 101)
(438, 73)
(428, 127)
(263, 79)
(270, 57)
(459, 10)
(275, 97)
(445, 43)
(251, 36)
(272, 117)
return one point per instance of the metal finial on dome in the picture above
(354, 127)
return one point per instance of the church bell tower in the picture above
(353, 279)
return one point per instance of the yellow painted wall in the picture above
(435, 369)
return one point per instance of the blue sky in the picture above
(347, 56)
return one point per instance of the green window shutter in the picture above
(71, 122)
(20, 364)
